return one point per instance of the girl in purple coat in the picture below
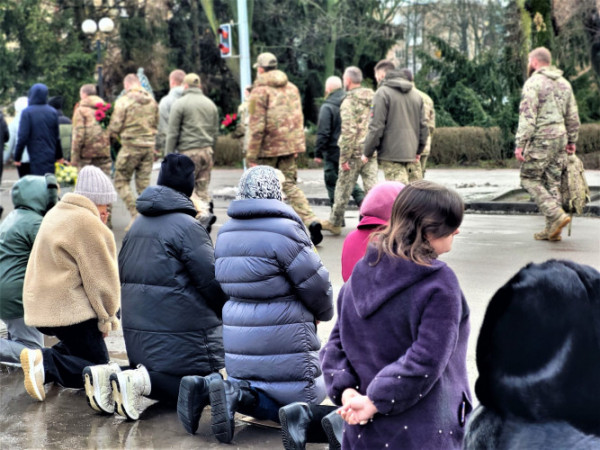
(396, 358)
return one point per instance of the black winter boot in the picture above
(227, 397)
(333, 424)
(193, 398)
(301, 423)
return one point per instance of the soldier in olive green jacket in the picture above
(547, 133)
(193, 130)
(397, 129)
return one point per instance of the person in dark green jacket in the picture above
(32, 197)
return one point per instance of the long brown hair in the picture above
(422, 209)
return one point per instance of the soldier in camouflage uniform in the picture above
(90, 143)
(354, 112)
(548, 129)
(134, 121)
(429, 112)
(276, 133)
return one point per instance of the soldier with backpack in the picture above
(547, 133)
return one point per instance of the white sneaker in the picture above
(96, 380)
(128, 387)
(32, 362)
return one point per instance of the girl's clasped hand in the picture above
(356, 409)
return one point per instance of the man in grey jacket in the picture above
(165, 105)
(193, 130)
(397, 129)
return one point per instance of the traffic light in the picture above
(225, 40)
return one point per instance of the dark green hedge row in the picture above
(463, 146)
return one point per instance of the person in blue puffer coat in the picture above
(278, 291)
(38, 131)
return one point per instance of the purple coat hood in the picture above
(401, 339)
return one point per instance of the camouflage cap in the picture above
(266, 60)
(192, 80)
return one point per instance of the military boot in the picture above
(558, 224)
(327, 225)
(227, 397)
(193, 397)
(545, 236)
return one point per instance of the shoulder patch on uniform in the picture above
(251, 106)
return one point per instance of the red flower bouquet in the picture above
(229, 123)
(103, 113)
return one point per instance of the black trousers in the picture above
(24, 169)
(81, 345)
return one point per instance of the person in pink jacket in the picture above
(375, 211)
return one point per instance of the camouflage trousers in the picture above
(404, 172)
(294, 196)
(133, 160)
(203, 162)
(104, 163)
(541, 172)
(346, 182)
(425, 155)
(330, 175)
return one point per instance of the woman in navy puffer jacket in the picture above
(278, 291)
(38, 131)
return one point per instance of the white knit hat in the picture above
(95, 185)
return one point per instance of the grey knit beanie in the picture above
(95, 185)
(259, 182)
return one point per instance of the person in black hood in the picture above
(397, 130)
(171, 304)
(328, 133)
(38, 131)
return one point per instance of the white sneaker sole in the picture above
(119, 389)
(92, 391)
(29, 370)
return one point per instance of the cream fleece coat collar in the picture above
(72, 275)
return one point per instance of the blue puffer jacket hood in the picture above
(278, 289)
(38, 94)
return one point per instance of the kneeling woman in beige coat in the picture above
(71, 287)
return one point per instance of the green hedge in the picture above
(588, 145)
(465, 145)
(450, 146)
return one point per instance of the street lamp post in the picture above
(89, 27)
